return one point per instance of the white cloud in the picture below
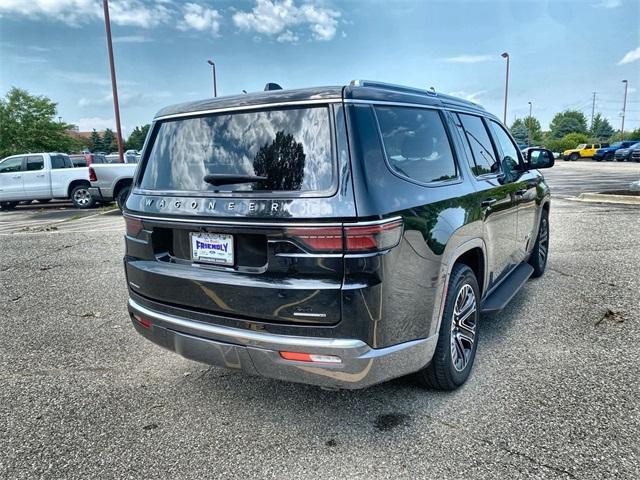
(279, 17)
(126, 98)
(631, 56)
(200, 18)
(469, 58)
(288, 36)
(608, 4)
(131, 39)
(140, 13)
(99, 123)
(472, 97)
(88, 78)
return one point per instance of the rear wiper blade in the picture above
(225, 179)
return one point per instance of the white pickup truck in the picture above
(111, 181)
(42, 177)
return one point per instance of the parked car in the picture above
(130, 156)
(86, 159)
(584, 150)
(42, 177)
(635, 155)
(355, 236)
(608, 153)
(111, 182)
(623, 154)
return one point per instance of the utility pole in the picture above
(114, 86)
(529, 125)
(624, 108)
(593, 109)
(506, 88)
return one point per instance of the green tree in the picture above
(95, 142)
(137, 137)
(109, 142)
(601, 129)
(571, 140)
(520, 132)
(569, 121)
(27, 124)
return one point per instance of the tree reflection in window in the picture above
(282, 162)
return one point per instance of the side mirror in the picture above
(539, 158)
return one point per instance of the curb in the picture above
(604, 198)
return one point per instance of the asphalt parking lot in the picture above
(553, 394)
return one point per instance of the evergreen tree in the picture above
(601, 128)
(95, 142)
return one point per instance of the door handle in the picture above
(17, 176)
(488, 202)
(521, 192)
(40, 175)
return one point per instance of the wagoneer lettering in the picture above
(355, 235)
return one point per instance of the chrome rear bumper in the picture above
(257, 353)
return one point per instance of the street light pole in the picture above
(215, 87)
(506, 88)
(114, 85)
(624, 108)
(529, 124)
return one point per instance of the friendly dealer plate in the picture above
(212, 248)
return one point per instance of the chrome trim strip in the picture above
(397, 104)
(314, 315)
(250, 107)
(243, 337)
(207, 221)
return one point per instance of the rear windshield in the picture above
(290, 147)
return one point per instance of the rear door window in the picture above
(484, 157)
(35, 162)
(416, 143)
(290, 147)
(60, 161)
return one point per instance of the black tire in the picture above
(608, 157)
(447, 370)
(6, 206)
(540, 253)
(81, 197)
(44, 200)
(574, 156)
(121, 198)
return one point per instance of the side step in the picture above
(501, 296)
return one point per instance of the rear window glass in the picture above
(416, 143)
(61, 161)
(290, 147)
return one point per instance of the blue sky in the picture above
(561, 52)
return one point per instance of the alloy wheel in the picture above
(543, 241)
(463, 327)
(82, 197)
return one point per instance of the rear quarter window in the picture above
(291, 147)
(416, 143)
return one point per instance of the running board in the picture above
(502, 295)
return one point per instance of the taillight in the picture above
(92, 175)
(320, 239)
(133, 226)
(145, 322)
(353, 238)
(371, 238)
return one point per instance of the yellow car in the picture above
(584, 150)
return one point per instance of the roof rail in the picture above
(391, 86)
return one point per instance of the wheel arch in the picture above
(473, 253)
(120, 184)
(74, 183)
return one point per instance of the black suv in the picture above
(336, 236)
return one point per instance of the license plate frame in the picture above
(223, 256)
